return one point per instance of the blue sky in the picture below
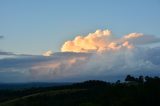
(35, 26)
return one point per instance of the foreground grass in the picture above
(33, 99)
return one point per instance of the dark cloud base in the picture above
(76, 67)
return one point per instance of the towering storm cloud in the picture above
(100, 41)
(98, 55)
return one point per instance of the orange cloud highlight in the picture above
(99, 41)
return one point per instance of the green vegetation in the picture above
(142, 91)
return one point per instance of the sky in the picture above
(34, 26)
(51, 40)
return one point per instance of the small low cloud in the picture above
(48, 53)
(1, 36)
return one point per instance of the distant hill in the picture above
(142, 91)
(30, 85)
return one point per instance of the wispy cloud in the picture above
(6, 53)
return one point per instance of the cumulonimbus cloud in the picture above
(99, 41)
(103, 40)
(96, 55)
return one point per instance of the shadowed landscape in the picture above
(141, 91)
